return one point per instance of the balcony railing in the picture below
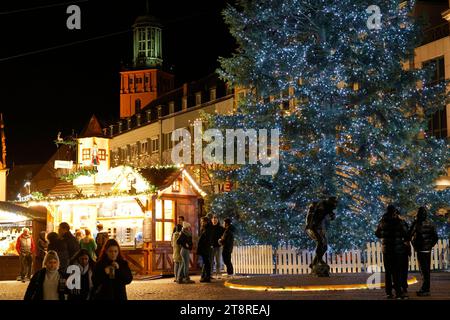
(435, 33)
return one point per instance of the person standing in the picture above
(84, 262)
(111, 274)
(25, 248)
(46, 284)
(405, 260)
(217, 231)
(177, 261)
(78, 235)
(100, 239)
(423, 237)
(68, 245)
(204, 248)
(227, 241)
(42, 246)
(185, 242)
(393, 232)
(179, 225)
(88, 243)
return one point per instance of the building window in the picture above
(155, 145)
(212, 94)
(137, 105)
(144, 147)
(198, 98)
(437, 124)
(86, 154)
(164, 219)
(130, 80)
(101, 154)
(133, 151)
(167, 141)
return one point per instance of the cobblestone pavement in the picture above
(166, 289)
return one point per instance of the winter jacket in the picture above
(185, 240)
(25, 245)
(42, 245)
(217, 231)
(227, 239)
(176, 247)
(35, 290)
(86, 285)
(205, 241)
(423, 235)
(393, 232)
(111, 289)
(68, 247)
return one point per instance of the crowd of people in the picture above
(396, 238)
(215, 244)
(104, 273)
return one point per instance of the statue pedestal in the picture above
(321, 270)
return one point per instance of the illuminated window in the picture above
(176, 186)
(165, 219)
(86, 154)
(101, 154)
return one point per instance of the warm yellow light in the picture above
(192, 181)
(334, 287)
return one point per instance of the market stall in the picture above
(13, 218)
(137, 207)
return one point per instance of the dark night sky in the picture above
(58, 90)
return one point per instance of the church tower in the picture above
(3, 168)
(145, 80)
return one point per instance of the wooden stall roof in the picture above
(16, 209)
(161, 178)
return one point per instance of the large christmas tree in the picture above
(352, 111)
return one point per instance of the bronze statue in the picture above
(319, 213)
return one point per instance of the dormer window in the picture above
(86, 154)
(101, 154)
(212, 94)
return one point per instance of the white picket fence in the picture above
(263, 259)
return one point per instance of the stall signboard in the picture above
(60, 164)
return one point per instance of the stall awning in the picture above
(10, 212)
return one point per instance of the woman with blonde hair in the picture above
(47, 283)
(88, 243)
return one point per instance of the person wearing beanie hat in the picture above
(45, 284)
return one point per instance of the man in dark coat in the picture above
(393, 232)
(227, 241)
(204, 248)
(423, 237)
(69, 245)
